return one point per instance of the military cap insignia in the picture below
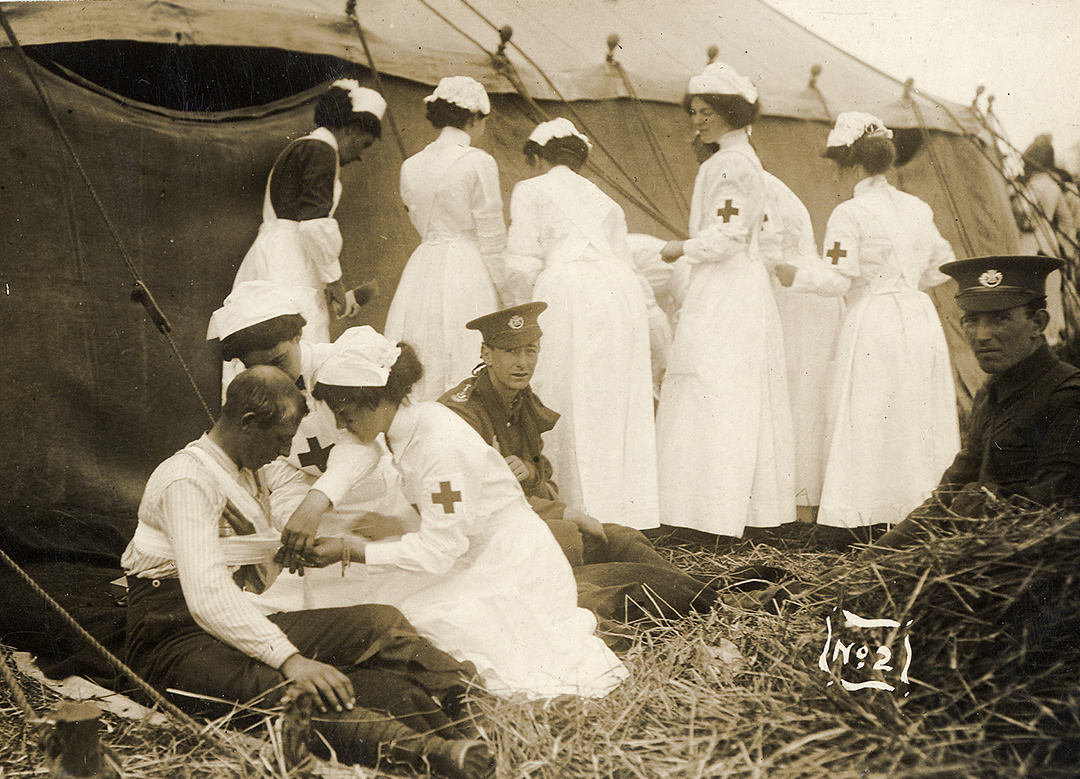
(516, 322)
(990, 278)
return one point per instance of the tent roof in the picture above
(558, 46)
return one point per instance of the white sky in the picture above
(1025, 52)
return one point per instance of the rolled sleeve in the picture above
(347, 468)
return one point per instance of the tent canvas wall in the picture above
(93, 395)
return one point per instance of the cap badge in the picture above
(516, 322)
(990, 278)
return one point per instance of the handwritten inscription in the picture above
(860, 652)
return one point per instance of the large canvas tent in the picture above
(95, 396)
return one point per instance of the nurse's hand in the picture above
(522, 470)
(785, 273)
(672, 251)
(352, 308)
(299, 534)
(587, 525)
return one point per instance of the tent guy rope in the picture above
(141, 293)
(665, 166)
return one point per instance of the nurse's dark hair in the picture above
(266, 392)
(876, 155)
(736, 109)
(405, 372)
(442, 113)
(261, 336)
(570, 151)
(334, 111)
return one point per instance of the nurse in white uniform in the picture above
(299, 241)
(568, 248)
(892, 404)
(811, 325)
(482, 577)
(724, 435)
(451, 190)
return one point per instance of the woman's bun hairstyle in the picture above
(569, 150)
(736, 109)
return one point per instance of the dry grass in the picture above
(995, 679)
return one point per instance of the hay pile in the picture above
(994, 677)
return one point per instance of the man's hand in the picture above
(330, 686)
(672, 251)
(522, 470)
(785, 272)
(587, 525)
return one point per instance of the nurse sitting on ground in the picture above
(482, 578)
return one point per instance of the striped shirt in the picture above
(183, 501)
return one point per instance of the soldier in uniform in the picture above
(611, 561)
(1022, 446)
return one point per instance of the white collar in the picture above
(734, 138)
(323, 134)
(207, 444)
(455, 135)
(869, 182)
(403, 427)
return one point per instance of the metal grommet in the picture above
(155, 582)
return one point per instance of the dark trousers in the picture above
(404, 686)
(624, 579)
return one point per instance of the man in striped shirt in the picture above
(204, 537)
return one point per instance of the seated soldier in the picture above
(499, 404)
(204, 537)
(260, 324)
(1022, 444)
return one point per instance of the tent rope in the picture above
(350, 11)
(997, 166)
(665, 166)
(642, 201)
(935, 163)
(141, 293)
(103, 651)
(1071, 298)
(502, 65)
(17, 692)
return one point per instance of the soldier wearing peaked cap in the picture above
(501, 406)
(1021, 445)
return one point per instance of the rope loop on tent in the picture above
(815, 71)
(143, 292)
(935, 163)
(350, 11)
(654, 144)
(642, 201)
